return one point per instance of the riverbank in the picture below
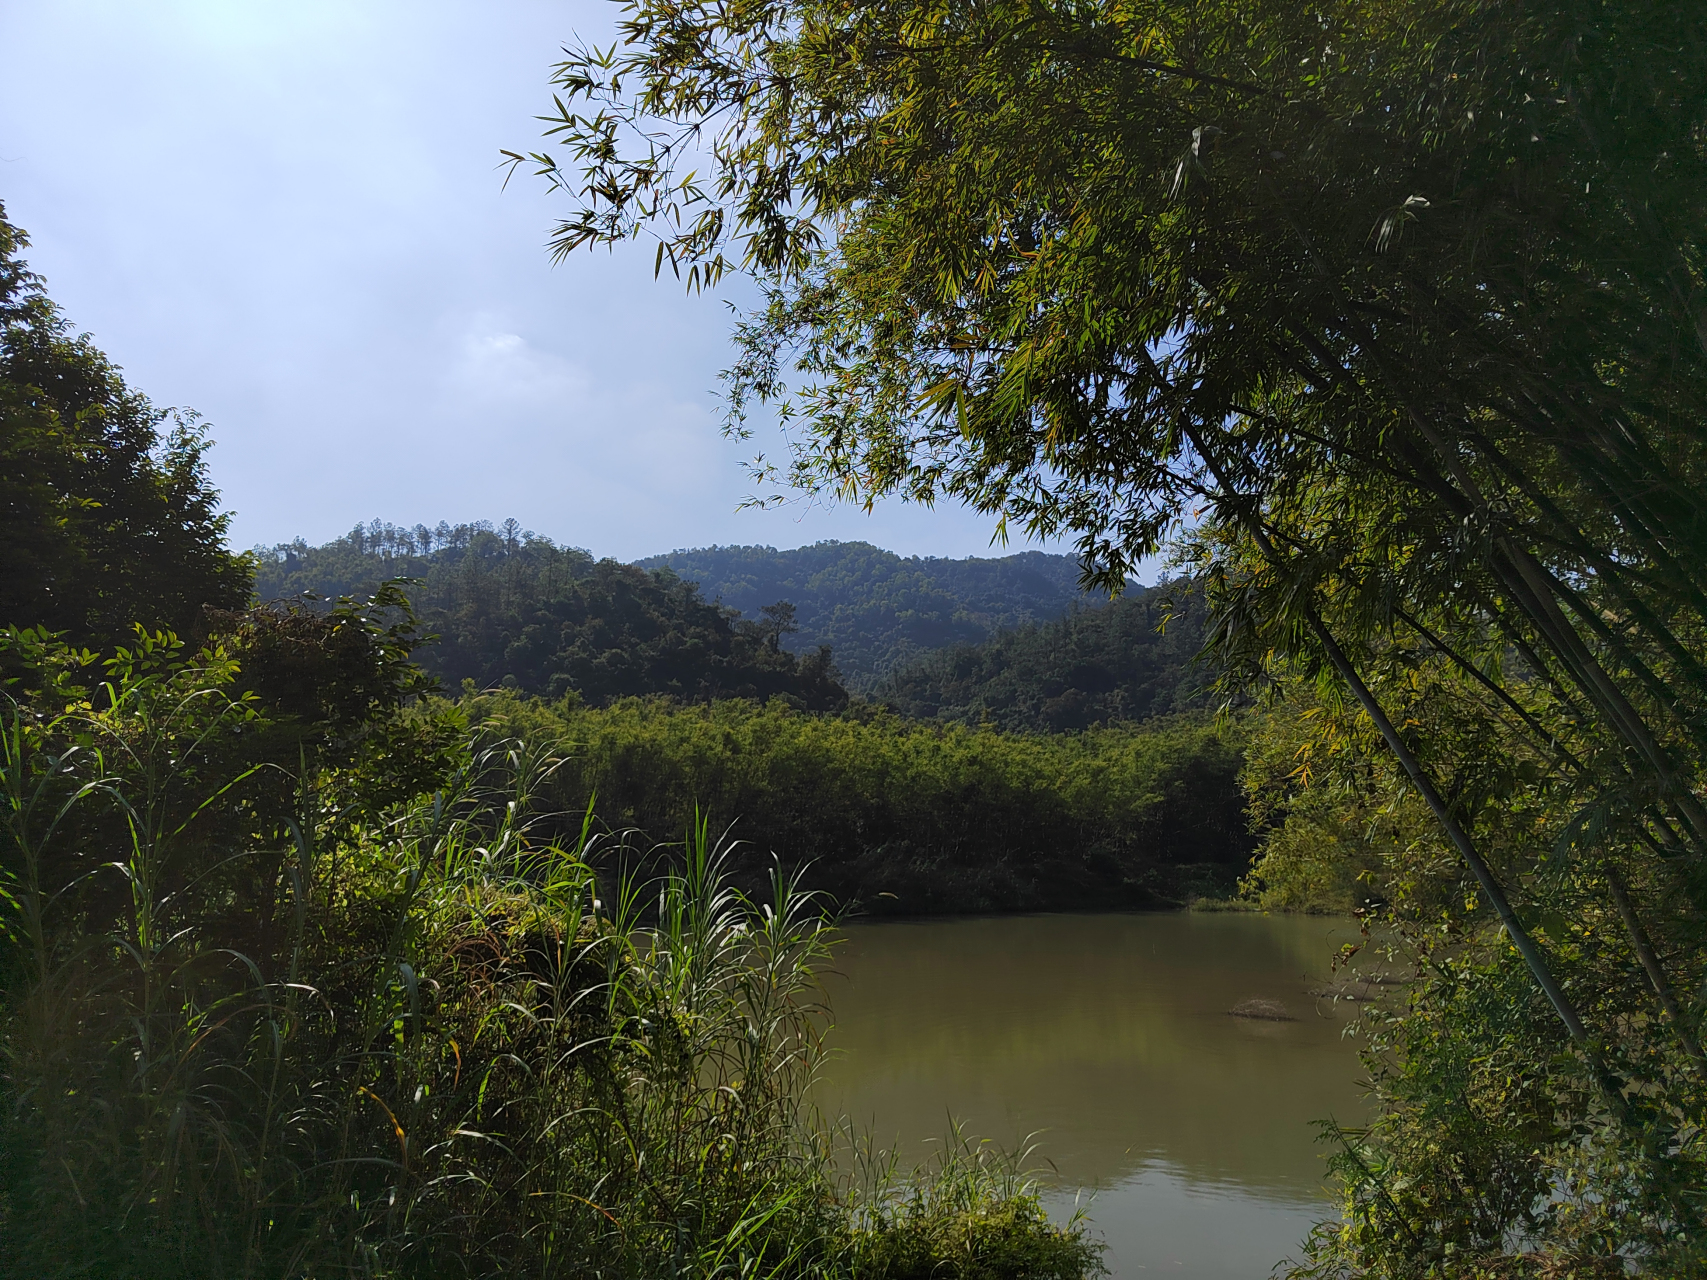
(265, 1022)
(894, 817)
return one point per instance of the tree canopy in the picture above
(1127, 662)
(107, 517)
(875, 610)
(878, 610)
(1406, 303)
(509, 608)
(900, 817)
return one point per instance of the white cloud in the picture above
(501, 367)
(290, 217)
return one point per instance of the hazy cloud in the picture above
(289, 216)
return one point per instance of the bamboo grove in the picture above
(1396, 308)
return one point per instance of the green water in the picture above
(1109, 1038)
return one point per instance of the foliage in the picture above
(971, 1214)
(913, 818)
(1497, 1151)
(431, 1043)
(510, 608)
(1404, 303)
(879, 611)
(106, 514)
(1128, 661)
(507, 559)
(1326, 835)
(483, 588)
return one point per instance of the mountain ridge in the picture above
(878, 610)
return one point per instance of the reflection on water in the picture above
(1109, 1038)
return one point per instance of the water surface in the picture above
(1109, 1037)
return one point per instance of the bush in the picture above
(973, 1215)
(263, 1029)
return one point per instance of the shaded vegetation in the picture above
(878, 610)
(513, 609)
(358, 1014)
(910, 818)
(106, 514)
(1128, 661)
(1479, 1125)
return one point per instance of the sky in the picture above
(290, 218)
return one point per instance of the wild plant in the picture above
(255, 1025)
(974, 1212)
(440, 1047)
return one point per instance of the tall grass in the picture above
(433, 1042)
(973, 1211)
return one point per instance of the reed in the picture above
(971, 1213)
(433, 1041)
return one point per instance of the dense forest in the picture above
(512, 609)
(877, 610)
(1132, 659)
(895, 816)
(509, 608)
(903, 818)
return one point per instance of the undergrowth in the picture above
(254, 1026)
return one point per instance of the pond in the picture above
(1109, 1038)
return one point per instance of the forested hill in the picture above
(1128, 661)
(513, 609)
(877, 610)
(484, 589)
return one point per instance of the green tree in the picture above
(1405, 300)
(912, 818)
(107, 518)
(1126, 662)
(517, 610)
(877, 610)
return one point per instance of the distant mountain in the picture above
(511, 608)
(1010, 639)
(1118, 663)
(878, 611)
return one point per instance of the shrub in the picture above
(274, 1032)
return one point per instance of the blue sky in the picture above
(289, 216)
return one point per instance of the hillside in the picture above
(1108, 665)
(516, 610)
(1009, 641)
(877, 610)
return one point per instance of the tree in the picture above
(1127, 662)
(1405, 299)
(510, 608)
(876, 609)
(778, 622)
(107, 518)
